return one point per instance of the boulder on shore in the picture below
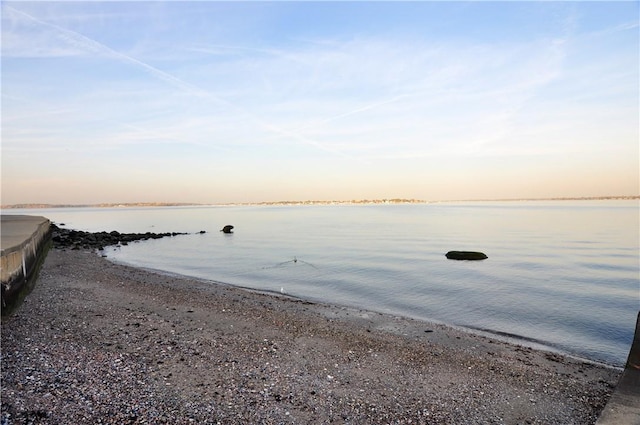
(466, 255)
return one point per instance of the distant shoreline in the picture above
(307, 202)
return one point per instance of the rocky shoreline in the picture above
(78, 239)
(99, 342)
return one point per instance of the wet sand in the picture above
(98, 342)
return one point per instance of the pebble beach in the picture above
(102, 343)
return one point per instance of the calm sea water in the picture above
(560, 274)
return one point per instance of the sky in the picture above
(222, 102)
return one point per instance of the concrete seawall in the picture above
(25, 241)
(624, 406)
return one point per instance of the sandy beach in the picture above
(98, 342)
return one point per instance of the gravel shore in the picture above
(98, 342)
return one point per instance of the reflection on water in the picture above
(563, 273)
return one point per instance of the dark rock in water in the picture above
(227, 229)
(466, 255)
(202, 232)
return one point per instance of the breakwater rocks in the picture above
(78, 239)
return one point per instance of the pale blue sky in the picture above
(213, 102)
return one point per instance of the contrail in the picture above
(209, 49)
(318, 123)
(87, 43)
(146, 134)
(353, 111)
(90, 44)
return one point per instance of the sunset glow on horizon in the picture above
(220, 102)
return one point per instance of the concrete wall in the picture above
(624, 406)
(25, 241)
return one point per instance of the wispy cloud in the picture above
(280, 91)
(86, 44)
(339, 81)
(445, 94)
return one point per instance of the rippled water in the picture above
(561, 274)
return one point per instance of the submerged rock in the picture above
(466, 255)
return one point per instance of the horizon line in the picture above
(42, 205)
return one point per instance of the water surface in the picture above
(563, 274)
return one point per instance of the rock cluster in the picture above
(78, 239)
